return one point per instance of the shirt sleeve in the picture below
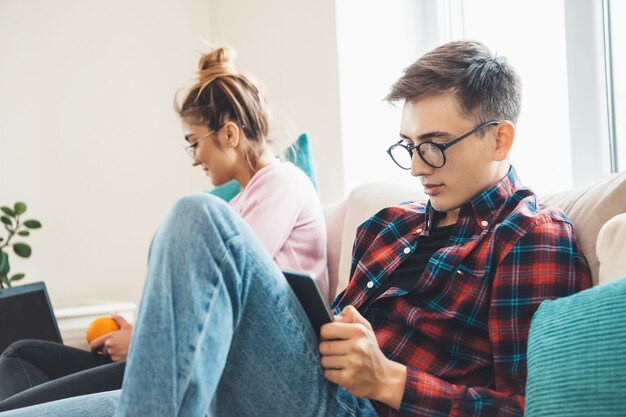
(545, 263)
(272, 207)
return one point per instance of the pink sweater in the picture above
(282, 207)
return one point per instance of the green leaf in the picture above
(19, 208)
(4, 263)
(5, 280)
(6, 220)
(8, 211)
(24, 233)
(22, 249)
(32, 224)
(17, 277)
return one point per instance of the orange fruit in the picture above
(100, 327)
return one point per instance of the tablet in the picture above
(311, 298)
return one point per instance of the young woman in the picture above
(227, 123)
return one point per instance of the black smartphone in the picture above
(311, 298)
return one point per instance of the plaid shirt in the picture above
(462, 330)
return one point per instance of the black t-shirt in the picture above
(406, 275)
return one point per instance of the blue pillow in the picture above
(577, 355)
(299, 154)
(226, 191)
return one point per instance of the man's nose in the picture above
(418, 166)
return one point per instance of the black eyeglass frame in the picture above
(441, 146)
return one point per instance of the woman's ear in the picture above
(505, 136)
(232, 135)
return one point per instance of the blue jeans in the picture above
(219, 334)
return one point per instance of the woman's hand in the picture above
(352, 359)
(115, 344)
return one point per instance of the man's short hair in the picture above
(486, 85)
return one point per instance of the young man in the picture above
(435, 318)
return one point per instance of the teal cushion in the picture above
(226, 191)
(577, 355)
(299, 154)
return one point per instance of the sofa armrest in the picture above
(335, 215)
(611, 249)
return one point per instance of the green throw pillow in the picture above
(299, 154)
(577, 355)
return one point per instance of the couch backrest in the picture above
(588, 207)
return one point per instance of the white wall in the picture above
(290, 46)
(88, 137)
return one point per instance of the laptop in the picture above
(26, 313)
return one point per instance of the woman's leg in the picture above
(102, 378)
(219, 331)
(94, 405)
(28, 363)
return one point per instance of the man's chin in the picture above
(443, 206)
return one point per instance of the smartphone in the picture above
(311, 298)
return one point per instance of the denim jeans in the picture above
(219, 333)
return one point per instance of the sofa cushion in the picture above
(611, 249)
(590, 208)
(577, 355)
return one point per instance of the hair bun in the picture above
(215, 64)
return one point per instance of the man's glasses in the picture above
(433, 154)
(191, 149)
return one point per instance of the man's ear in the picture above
(232, 135)
(505, 135)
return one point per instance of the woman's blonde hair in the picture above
(220, 95)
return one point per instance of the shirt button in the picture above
(370, 284)
(407, 250)
(418, 231)
(484, 223)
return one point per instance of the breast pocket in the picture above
(470, 283)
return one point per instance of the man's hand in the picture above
(115, 344)
(352, 359)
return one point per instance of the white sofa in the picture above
(597, 211)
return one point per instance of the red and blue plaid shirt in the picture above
(462, 330)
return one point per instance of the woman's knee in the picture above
(16, 349)
(201, 212)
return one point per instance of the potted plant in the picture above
(12, 220)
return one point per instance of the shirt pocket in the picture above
(465, 274)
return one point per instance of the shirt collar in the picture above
(485, 206)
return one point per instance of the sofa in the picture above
(589, 326)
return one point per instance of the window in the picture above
(617, 44)
(557, 47)
(376, 41)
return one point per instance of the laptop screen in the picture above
(26, 313)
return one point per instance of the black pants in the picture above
(37, 371)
